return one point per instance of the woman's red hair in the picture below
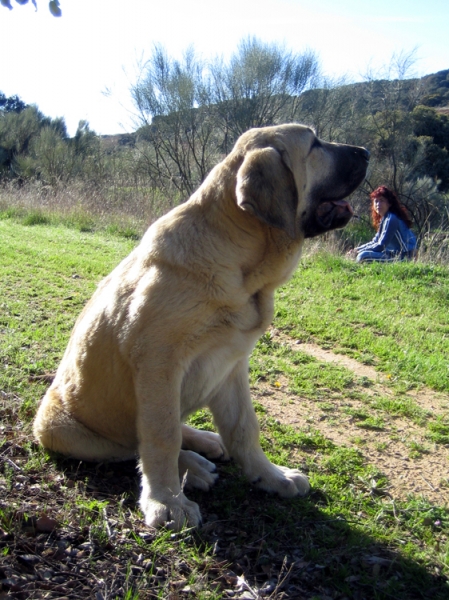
(395, 206)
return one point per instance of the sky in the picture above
(81, 66)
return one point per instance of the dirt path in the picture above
(400, 450)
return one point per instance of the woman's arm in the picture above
(388, 227)
(369, 245)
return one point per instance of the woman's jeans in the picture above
(385, 256)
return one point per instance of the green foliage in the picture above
(18, 129)
(49, 159)
(437, 89)
(260, 85)
(439, 431)
(429, 124)
(36, 218)
(11, 104)
(21, 132)
(35, 147)
(358, 232)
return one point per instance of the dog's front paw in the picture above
(283, 481)
(165, 509)
(176, 513)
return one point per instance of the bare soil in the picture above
(389, 449)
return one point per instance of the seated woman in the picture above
(394, 239)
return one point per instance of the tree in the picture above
(329, 109)
(388, 102)
(382, 116)
(11, 104)
(433, 129)
(408, 142)
(261, 85)
(55, 159)
(50, 158)
(437, 89)
(192, 112)
(17, 131)
(174, 100)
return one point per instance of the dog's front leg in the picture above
(237, 423)
(159, 429)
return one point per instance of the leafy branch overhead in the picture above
(53, 6)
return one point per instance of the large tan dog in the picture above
(171, 328)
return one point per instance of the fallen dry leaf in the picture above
(46, 524)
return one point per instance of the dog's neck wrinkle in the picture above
(274, 264)
(261, 256)
(266, 256)
(241, 233)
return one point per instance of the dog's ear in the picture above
(266, 188)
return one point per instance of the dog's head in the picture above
(291, 180)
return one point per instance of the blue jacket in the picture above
(393, 236)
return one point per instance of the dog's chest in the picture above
(209, 372)
(227, 342)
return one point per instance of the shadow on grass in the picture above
(278, 548)
(251, 545)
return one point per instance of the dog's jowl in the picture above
(170, 330)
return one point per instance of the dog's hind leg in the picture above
(198, 471)
(58, 430)
(204, 442)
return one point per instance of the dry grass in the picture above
(87, 206)
(130, 208)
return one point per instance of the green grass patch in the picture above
(306, 376)
(391, 315)
(439, 431)
(348, 539)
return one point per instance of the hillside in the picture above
(434, 88)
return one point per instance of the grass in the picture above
(349, 539)
(121, 209)
(394, 318)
